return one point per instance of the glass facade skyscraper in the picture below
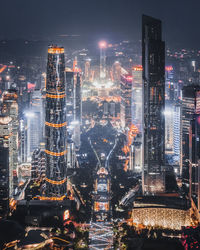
(137, 97)
(55, 123)
(153, 63)
(190, 107)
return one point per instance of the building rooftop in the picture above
(162, 201)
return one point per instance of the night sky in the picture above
(111, 19)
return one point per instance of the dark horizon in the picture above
(119, 19)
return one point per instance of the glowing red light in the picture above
(102, 44)
(137, 68)
(129, 78)
(168, 68)
(31, 86)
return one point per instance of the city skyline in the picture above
(99, 140)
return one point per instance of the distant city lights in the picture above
(102, 44)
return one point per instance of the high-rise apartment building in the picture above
(55, 123)
(153, 63)
(10, 110)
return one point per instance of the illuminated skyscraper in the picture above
(7, 140)
(10, 109)
(137, 97)
(70, 95)
(78, 99)
(116, 72)
(102, 46)
(190, 106)
(4, 181)
(55, 123)
(74, 104)
(177, 133)
(194, 163)
(169, 122)
(34, 118)
(126, 94)
(87, 70)
(153, 62)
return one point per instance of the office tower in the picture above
(87, 70)
(169, 125)
(190, 106)
(126, 94)
(10, 109)
(77, 109)
(73, 96)
(70, 95)
(74, 104)
(7, 140)
(34, 118)
(23, 140)
(4, 181)
(102, 46)
(194, 163)
(137, 97)
(55, 123)
(116, 72)
(177, 134)
(78, 99)
(170, 84)
(24, 104)
(153, 63)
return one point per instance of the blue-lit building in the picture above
(153, 63)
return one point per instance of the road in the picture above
(101, 227)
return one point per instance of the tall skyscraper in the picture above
(177, 133)
(153, 63)
(102, 46)
(190, 107)
(55, 123)
(70, 95)
(126, 94)
(7, 140)
(35, 121)
(10, 126)
(169, 121)
(87, 70)
(4, 181)
(78, 99)
(74, 104)
(137, 97)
